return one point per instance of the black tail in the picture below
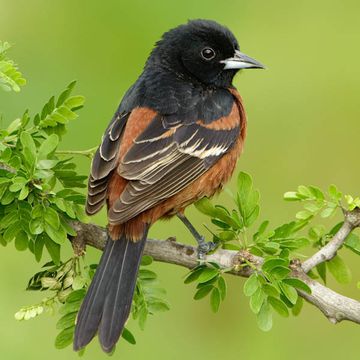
(107, 303)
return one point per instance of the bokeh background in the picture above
(304, 126)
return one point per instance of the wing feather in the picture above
(164, 160)
(104, 162)
(159, 161)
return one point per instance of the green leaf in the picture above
(66, 321)
(67, 227)
(271, 263)
(317, 193)
(294, 244)
(53, 249)
(10, 76)
(15, 187)
(280, 272)
(352, 242)
(48, 146)
(298, 284)
(64, 338)
(263, 226)
(231, 247)
(220, 224)
(251, 285)
(28, 142)
(66, 93)
(78, 282)
(7, 198)
(52, 218)
(142, 317)
(247, 199)
(312, 208)
(21, 241)
(284, 254)
(279, 306)
(215, 299)
(70, 307)
(256, 300)
(207, 274)
(205, 206)
(193, 275)
(74, 102)
(38, 211)
(203, 291)
(227, 235)
(291, 196)
(76, 296)
(59, 236)
(339, 270)
(321, 269)
(251, 218)
(327, 212)
(264, 317)
(146, 260)
(45, 165)
(270, 290)
(334, 193)
(289, 292)
(8, 219)
(304, 191)
(38, 247)
(128, 336)
(14, 126)
(23, 193)
(222, 287)
(157, 306)
(244, 182)
(11, 232)
(296, 309)
(36, 226)
(316, 232)
(147, 274)
(303, 215)
(271, 247)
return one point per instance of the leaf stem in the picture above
(88, 153)
(245, 239)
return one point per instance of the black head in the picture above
(201, 50)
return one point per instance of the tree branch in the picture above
(326, 253)
(334, 306)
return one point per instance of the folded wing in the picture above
(164, 160)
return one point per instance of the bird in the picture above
(174, 139)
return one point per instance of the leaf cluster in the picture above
(272, 288)
(10, 76)
(38, 199)
(210, 283)
(149, 297)
(67, 284)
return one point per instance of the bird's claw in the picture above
(204, 248)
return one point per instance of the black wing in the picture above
(165, 159)
(104, 162)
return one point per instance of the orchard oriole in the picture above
(174, 139)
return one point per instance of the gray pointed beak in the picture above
(241, 61)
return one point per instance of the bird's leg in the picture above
(203, 246)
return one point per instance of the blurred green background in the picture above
(303, 129)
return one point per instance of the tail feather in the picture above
(107, 304)
(119, 298)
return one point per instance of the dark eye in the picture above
(208, 53)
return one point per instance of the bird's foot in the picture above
(204, 248)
